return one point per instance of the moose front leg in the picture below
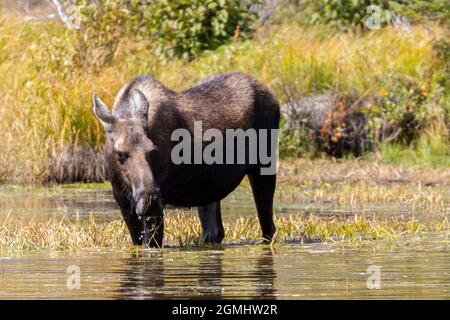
(153, 231)
(147, 231)
(134, 225)
(153, 226)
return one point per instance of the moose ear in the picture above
(102, 112)
(139, 104)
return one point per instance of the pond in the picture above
(412, 267)
(319, 271)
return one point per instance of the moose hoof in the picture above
(212, 237)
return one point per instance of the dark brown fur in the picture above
(228, 101)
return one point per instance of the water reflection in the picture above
(150, 275)
(265, 275)
(210, 274)
(72, 203)
(142, 276)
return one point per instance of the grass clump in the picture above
(432, 148)
(183, 230)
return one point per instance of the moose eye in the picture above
(121, 156)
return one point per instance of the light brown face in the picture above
(129, 141)
(131, 151)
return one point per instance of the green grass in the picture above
(432, 151)
(184, 230)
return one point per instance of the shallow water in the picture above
(409, 267)
(322, 271)
(98, 201)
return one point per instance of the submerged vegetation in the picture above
(397, 79)
(183, 230)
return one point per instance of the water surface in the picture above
(411, 269)
(97, 200)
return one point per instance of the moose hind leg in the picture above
(211, 221)
(263, 188)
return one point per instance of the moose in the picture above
(138, 152)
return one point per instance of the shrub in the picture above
(104, 24)
(176, 28)
(441, 51)
(343, 14)
(347, 14)
(186, 28)
(422, 10)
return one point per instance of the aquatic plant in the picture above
(183, 230)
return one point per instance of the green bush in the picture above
(104, 23)
(184, 28)
(176, 28)
(441, 79)
(441, 50)
(347, 14)
(422, 10)
(343, 14)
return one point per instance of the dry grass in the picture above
(368, 171)
(428, 200)
(183, 230)
(359, 183)
(79, 163)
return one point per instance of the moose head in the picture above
(129, 151)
